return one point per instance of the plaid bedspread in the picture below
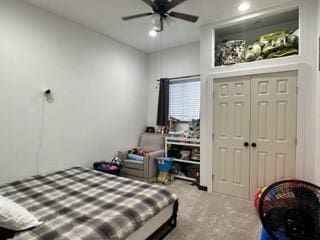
(80, 203)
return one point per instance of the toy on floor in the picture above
(164, 165)
(114, 167)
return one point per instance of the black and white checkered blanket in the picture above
(80, 203)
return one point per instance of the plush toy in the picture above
(252, 53)
(293, 39)
(194, 128)
(283, 53)
(279, 44)
(165, 178)
(172, 124)
(117, 161)
(138, 151)
(290, 46)
(272, 42)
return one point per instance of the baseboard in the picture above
(203, 188)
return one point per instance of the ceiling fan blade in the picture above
(174, 3)
(184, 16)
(136, 16)
(151, 4)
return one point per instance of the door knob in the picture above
(253, 145)
(246, 144)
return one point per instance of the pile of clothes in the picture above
(114, 167)
(271, 45)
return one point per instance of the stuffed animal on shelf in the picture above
(252, 52)
(172, 124)
(272, 42)
(283, 53)
(293, 39)
(279, 44)
(229, 52)
(194, 128)
(271, 45)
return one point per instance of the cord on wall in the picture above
(41, 134)
(47, 95)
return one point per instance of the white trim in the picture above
(185, 178)
(186, 161)
(257, 70)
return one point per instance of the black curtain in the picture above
(163, 102)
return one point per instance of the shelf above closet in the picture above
(249, 28)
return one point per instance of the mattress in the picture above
(80, 203)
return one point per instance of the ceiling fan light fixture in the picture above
(244, 6)
(169, 21)
(156, 28)
(153, 33)
(156, 18)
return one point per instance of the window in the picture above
(184, 99)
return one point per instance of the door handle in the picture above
(246, 144)
(253, 145)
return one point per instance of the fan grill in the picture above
(290, 209)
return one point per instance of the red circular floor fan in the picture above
(290, 210)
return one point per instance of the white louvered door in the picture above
(254, 132)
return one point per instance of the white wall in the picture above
(99, 88)
(176, 62)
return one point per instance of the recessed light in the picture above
(244, 7)
(153, 33)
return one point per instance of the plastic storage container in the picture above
(164, 165)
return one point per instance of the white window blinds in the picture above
(184, 99)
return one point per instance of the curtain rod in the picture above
(184, 77)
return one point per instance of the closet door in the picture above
(273, 128)
(231, 136)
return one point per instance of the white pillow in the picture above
(14, 217)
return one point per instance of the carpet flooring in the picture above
(206, 216)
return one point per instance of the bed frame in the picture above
(6, 234)
(168, 226)
(159, 234)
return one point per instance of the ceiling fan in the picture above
(161, 13)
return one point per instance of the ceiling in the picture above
(104, 16)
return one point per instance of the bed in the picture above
(81, 203)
